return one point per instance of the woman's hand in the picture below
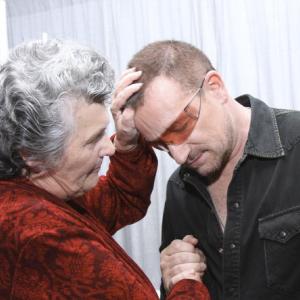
(182, 260)
(126, 132)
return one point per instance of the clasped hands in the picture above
(182, 260)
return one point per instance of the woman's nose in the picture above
(107, 148)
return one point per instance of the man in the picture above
(237, 187)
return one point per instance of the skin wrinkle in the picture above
(78, 171)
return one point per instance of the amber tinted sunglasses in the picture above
(182, 127)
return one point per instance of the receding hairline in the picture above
(173, 59)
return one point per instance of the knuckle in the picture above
(176, 244)
(176, 270)
(172, 282)
(200, 255)
(163, 265)
(162, 253)
(203, 266)
(173, 243)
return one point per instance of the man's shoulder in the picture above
(288, 122)
(287, 116)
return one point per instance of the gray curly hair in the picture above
(39, 85)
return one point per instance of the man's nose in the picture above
(179, 153)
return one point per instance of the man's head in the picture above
(182, 105)
(176, 60)
(53, 115)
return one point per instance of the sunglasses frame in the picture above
(163, 145)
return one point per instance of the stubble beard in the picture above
(217, 166)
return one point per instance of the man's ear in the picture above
(214, 84)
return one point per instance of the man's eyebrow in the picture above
(96, 136)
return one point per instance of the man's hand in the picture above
(126, 135)
(182, 260)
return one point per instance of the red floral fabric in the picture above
(51, 249)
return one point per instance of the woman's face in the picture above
(89, 143)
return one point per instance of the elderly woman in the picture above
(57, 214)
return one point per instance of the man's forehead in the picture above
(162, 103)
(162, 85)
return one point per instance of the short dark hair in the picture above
(178, 60)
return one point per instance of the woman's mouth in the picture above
(97, 167)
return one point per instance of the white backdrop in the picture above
(255, 44)
(3, 32)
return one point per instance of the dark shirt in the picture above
(258, 256)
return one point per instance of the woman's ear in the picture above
(34, 166)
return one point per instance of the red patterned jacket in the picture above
(51, 249)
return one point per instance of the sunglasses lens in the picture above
(178, 135)
(178, 132)
(173, 136)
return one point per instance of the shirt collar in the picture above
(263, 138)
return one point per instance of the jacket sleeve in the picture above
(122, 197)
(188, 289)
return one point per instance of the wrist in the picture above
(125, 147)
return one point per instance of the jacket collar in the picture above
(263, 138)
